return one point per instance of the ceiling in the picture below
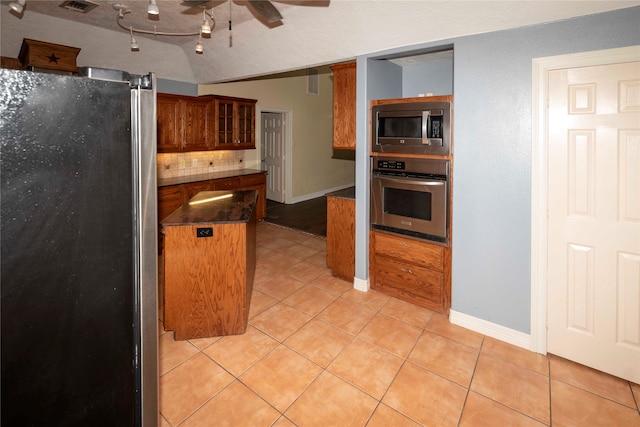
(175, 16)
(311, 33)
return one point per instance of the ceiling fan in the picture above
(263, 8)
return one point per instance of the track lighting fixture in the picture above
(18, 6)
(205, 28)
(152, 9)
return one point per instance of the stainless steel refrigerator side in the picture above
(143, 102)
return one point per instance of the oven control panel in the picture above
(391, 164)
(407, 166)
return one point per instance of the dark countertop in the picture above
(347, 193)
(207, 176)
(230, 207)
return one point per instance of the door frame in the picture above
(539, 240)
(288, 147)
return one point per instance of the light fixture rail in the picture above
(205, 28)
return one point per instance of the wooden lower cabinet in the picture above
(232, 183)
(193, 188)
(341, 234)
(169, 199)
(208, 281)
(412, 270)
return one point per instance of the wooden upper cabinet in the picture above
(199, 123)
(344, 106)
(235, 123)
(195, 123)
(246, 113)
(169, 125)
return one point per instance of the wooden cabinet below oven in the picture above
(412, 270)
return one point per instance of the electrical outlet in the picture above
(204, 232)
(181, 164)
(194, 163)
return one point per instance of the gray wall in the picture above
(385, 79)
(430, 77)
(177, 88)
(492, 157)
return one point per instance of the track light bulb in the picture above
(18, 6)
(206, 28)
(152, 9)
(134, 44)
(199, 47)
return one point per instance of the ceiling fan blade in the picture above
(266, 10)
(194, 7)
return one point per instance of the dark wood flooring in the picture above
(309, 216)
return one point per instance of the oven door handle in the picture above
(413, 181)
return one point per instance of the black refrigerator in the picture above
(78, 277)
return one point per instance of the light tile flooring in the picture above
(319, 353)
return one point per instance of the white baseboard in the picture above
(360, 284)
(306, 197)
(490, 329)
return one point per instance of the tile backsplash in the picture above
(171, 165)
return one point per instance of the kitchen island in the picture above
(209, 264)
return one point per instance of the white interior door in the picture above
(593, 200)
(274, 154)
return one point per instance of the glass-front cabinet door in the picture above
(235, 124)
(224, 111)
(246, 123)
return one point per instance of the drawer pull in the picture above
(406, 245)
(406, 270)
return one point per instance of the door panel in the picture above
(594, 217)
(273, 146)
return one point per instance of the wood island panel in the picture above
(208, 280)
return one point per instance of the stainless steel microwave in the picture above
(422, 127)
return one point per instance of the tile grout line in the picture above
(475, 366)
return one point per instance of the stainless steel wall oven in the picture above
(410, 196)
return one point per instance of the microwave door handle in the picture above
(414, 182)
(425, 126)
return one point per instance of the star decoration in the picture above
(53, 58)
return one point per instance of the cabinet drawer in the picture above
(190, 190)
(226, 183)
(423, 254)
(254, 179)
(409, 281)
